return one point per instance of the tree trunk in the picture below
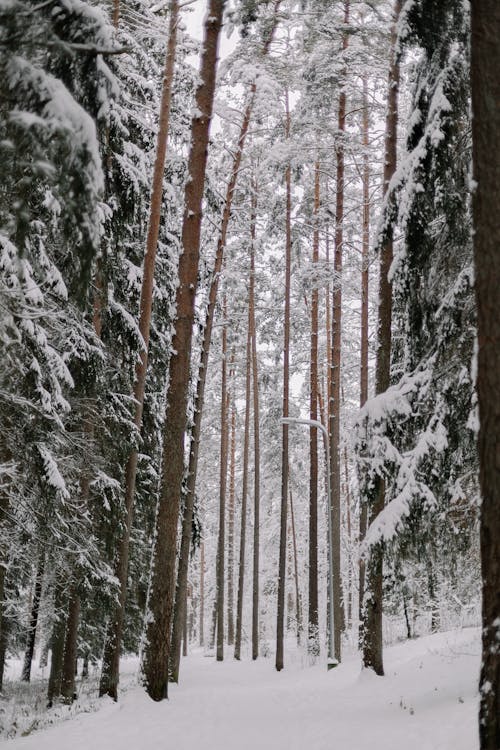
(222, 493)
(313, 627)
(371, 620)
(202, 594)
(296, 573)
(230, 529)
(256, 434)
(180, 595)
(163, 575)
(244, 493)
(57, 645)
(334, 396)
(280, 620)
(363, 389)
(111, 658)
(485, 64)
(70, 647)
(35, 608)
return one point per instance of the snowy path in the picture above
(427, 701)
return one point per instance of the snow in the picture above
(427, 701)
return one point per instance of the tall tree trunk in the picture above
(363, 389)
(347, 495)
(244, 493)
(313, 626)
(280, 620)
(163, 575)
(256, 435)
(296, 573)
(35, 608)
(111, 658)
(222, 493)
(371, 620)
(334, 396)
(202, 594)
(180, 594)
(230, 527)
(485, 64)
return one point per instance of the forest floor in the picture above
(426, 701)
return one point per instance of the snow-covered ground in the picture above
(426, 701)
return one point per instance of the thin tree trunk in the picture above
(4, 637)
(111, 658)
(334, 410)
(280, 620)
(485, 64)
(185, 633)
(180, 595)
(371, 621)
(347, 495)
(363, 390)
(296, 573)
(222, 493)
(230, 529)
(163, 575)
(313, 626)
(35, 608)
(256, 435)
(244, 493)
(202, 594)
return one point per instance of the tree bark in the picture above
(256, 434)
(180, 595)
(485, 64)
(363, 389)
(202, 594)
(371, 620)
(280, 620)
(296, 573)
(35, 608)
(163, 575)
(70, 647)
(230, 529)
(334, 396)
(222, 493)
(111, 658)
(313, 626)
(57, 645)
(244, 493)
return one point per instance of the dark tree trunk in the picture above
(35, 608)
(256, 436)
(57, 645)
(111, 658)
(4, 638)
(334, 395)
(230, 529)
(163, 575)
(280, 619)
(485, 66)
(298, 607)
(313, 626)
(70, 647)
(202, 594)
(363, 390)
(371, 621)
(222, 494)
